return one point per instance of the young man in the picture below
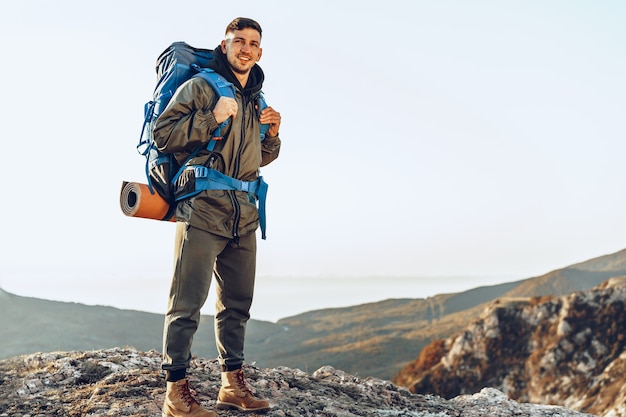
(215, 231)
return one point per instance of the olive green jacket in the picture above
(187, 123)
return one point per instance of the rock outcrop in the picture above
(128, 382)
(566, 350)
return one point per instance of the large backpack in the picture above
(177, 64)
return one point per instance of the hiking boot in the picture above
(181, 401)
(235, 393)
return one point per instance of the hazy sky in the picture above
(420, 138)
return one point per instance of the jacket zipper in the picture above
(237, 166)
(237, 209)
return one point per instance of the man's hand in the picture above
(224, 108)
(271, 117)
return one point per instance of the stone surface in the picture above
(127, 382)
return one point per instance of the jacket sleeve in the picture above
(270, 148)
(187, 121)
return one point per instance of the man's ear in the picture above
(223, 46)
(260, 53)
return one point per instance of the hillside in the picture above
(568, 350)
(379, 338)
(33, 325)
(375, 339)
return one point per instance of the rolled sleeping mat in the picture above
(136, 200)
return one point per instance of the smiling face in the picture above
(243, 50)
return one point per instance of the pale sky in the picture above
(420, 138)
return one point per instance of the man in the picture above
(215, 231)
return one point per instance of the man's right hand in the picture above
(224, 108)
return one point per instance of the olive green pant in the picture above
(198, 256)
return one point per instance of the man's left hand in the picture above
(271, 117)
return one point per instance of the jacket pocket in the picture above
(184, 210)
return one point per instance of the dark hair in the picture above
(243, 23)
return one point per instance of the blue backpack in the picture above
(177, 64)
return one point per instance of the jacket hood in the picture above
(255, 81)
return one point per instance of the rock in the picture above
(127, 382)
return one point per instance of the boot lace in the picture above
(188, 395)
(241, 383)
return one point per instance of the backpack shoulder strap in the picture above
(262, 104)
(222, 87)
(219, 84)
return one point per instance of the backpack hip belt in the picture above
(211, 179)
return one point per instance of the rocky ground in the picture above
(127, 382)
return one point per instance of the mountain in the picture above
(127, 382)
(380, 338)
(568, 350)
(375, 339)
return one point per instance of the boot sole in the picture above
(229, 406)
(168, 415)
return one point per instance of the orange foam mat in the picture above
(136, 200)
